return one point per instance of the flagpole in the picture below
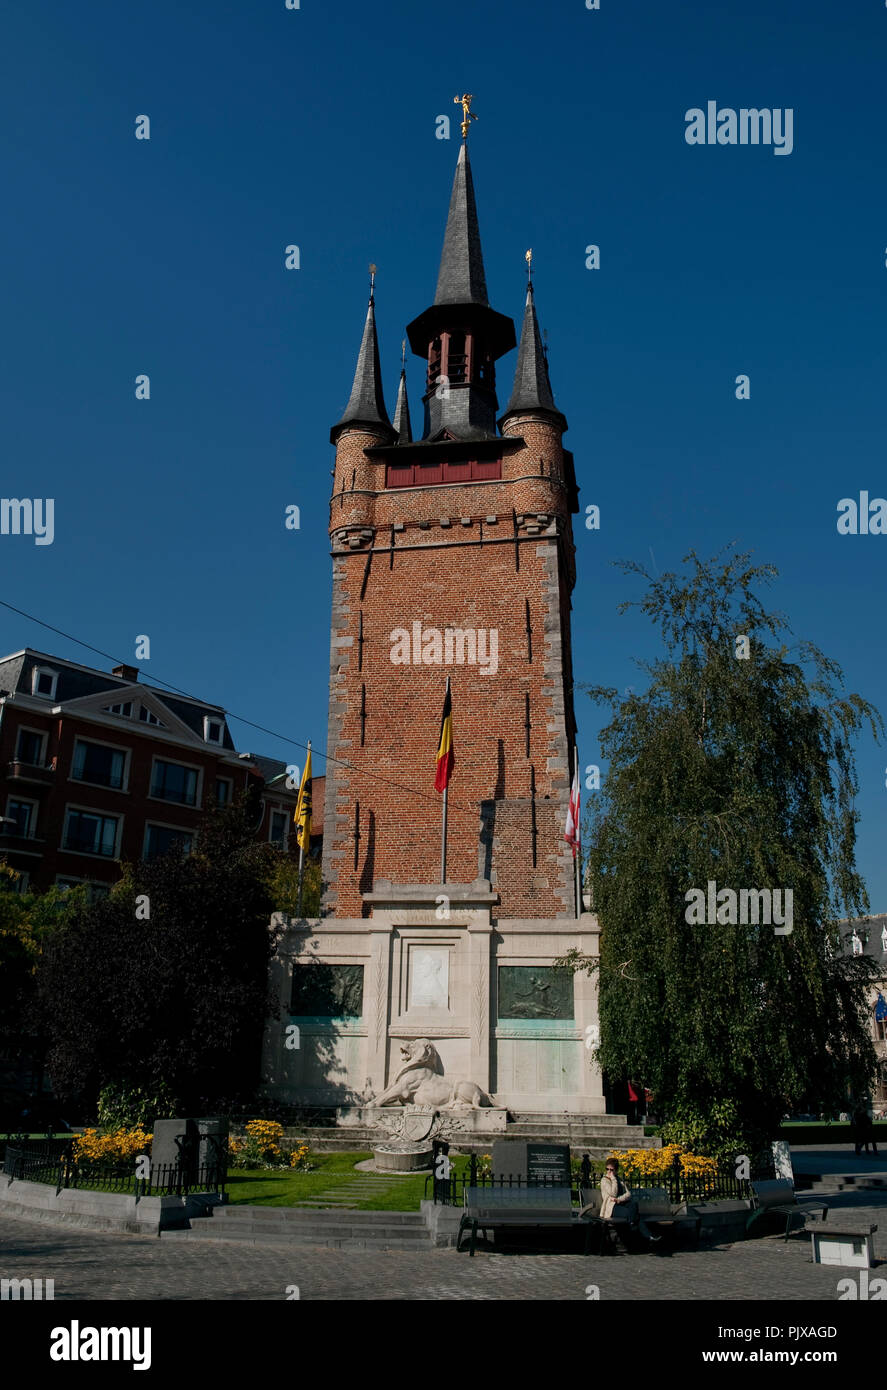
(302, 850)
(443, 834)
(577, 852)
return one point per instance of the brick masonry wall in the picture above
(507, 805)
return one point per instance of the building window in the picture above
(89, 832)
(224, 787)
(43, 682)
(172, 782)
(148, 718)
(124, 708)
(24, 816)
(99, 764)
(94, 891)
(29, 748)
(279, 832)
(159, 839)
(20, 881)
(856, 944)
(212, 729)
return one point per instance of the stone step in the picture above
(844, 1182)
(285, 1216)
(321, 1237)
(335, 1223)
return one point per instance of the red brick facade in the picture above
(492, 555)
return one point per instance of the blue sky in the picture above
(317, 127)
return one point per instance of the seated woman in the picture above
(615, 1195)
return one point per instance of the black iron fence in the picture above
(722, 1185)
(62, 1170)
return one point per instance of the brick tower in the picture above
(453, 556)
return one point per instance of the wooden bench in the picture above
(494, 1208)
(777, 1197)
(648, 1206)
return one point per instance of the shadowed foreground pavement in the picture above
(93, 1265)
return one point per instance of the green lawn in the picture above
(279, 1188)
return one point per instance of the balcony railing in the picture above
(21, 844)
(19, 771)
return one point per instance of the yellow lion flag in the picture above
(302, 817)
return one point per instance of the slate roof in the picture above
(402, 426)
(461, 278)
(75, 682)
(366, 404)
(532, 387)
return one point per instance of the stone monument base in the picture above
(485, 1120)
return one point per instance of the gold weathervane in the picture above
(528, 257)
(465, 101)
(372, 281)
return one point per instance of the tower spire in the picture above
(402, 426)
(460, 336)
(461, 278)
(532, 387)
(366, 404)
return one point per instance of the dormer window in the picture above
(213, 729)
(123, 708)
(147, 717)
(43, 682)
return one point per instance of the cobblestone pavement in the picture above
(93, 1265)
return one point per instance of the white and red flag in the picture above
(573, 833)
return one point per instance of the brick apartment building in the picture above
(96, 769)
(868, 936)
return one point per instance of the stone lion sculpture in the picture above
(419, 1082)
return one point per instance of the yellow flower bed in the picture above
(298, 1155)
(655, 1163)
(117, 1146)
(267, 1135)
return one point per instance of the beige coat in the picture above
(614, 1192)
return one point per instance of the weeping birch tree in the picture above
(732, 777)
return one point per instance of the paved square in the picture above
(182, 1266)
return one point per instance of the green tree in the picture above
(26, 922)
(283, 884)
(735, 769)
(161, 989)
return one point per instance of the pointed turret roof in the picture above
(461, 278)
(460, 300)
(366, 404)
(532, 388)
(402, 412)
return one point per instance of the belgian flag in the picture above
(302, 817)
(445, 759)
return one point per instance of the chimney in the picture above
(126, 673)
